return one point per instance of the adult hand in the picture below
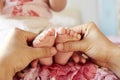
(15, 54)
(93, 43)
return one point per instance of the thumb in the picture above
(34, 53)
(72, 46)
(26, 35)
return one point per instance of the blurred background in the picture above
(105, 13)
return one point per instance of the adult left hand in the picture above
(15, 54)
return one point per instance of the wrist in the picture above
(5, 73)
(113, 61)
(2, 73)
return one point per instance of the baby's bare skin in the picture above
(66, 35)
(45, 39)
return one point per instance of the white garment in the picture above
(32, 24)
(37, 8)
(23, 20)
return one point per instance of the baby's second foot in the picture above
(65, 35)
(45, 39)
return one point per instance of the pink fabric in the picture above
(38, 8)
(70, 71)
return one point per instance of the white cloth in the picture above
(37, 8)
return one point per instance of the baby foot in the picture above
(45, 39)
(65, 35)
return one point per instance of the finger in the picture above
(76, 58)
(23, 35)
(30, 36)
(81, 45)
(82, 59)
(35, 53)
(21, 74)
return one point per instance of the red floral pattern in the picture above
(18, 9)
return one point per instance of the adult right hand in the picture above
(93, 43)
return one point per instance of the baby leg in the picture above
(45, 39)
(65, 35)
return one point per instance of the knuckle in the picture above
(91, 24)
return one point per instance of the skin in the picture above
(66, 35)
(94, 43)
(45, 39)
(1, 4)
(57, 5)
(15, 54)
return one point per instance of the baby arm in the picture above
(57, 5)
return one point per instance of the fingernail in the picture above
(36, 43)
(53, 51)
(59, 47)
